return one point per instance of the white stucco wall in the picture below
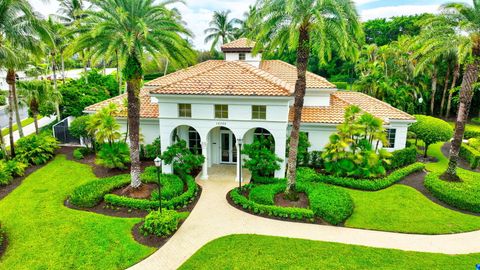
(254, 60)
(149, 128)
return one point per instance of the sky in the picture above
(197, 13)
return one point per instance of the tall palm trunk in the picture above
(11, 81)
(445, 89)
(34, 110)
(54, 69)
(133, 76)
(466, 94)
(456, 74)
(303, 53)
(2, 146)
(434, 90)
(63, 67)
(119, 76)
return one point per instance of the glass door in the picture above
(228, 148)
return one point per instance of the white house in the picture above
(217, 104)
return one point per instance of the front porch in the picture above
(225, 173)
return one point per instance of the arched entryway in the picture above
(259, 134)
(190, 135)
(222, 146)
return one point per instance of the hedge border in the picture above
(471, 155)
(309, 175)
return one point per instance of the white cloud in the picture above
(389, 11)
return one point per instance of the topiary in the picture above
(431, 130)
(160, 224)
(115, 155)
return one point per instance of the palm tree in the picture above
(35, 94)
(307, 26)
(221, 28)
(247, 23)
(468, 19)
(136, 29)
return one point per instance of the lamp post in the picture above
(158, 164)
(239, 158)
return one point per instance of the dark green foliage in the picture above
(78, 127)
(471, 155)
(115, 155)
(183, 160)
(151, 151)
(476, 120)
(402, 158)
(261, 161)
(452, 193)
(77, 94)
(172, 185)
(177, 202)
(36, 149)
(91, 193)
(77, 154)
(309, 175)
(341, 85)
(269, 180)
(315, 159)
(271, 210)
(265, 194)
(330, 203)
(431, 130)
(133, 68)
(160, 224)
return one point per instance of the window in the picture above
(194, 141)
(259, 112)
(261, 133)
(185, 110)
(241, 56)
(391, 133)
(221, 111)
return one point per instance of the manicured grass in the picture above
(44, 234)
(403, 209)
(24, 122)
(266, 252)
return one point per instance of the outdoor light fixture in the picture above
(158, 164)
(239, 158)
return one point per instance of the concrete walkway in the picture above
(29, 129)
(213, 217)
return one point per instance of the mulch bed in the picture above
(142, 192)
(302, 201)
(462, 163)
(239, 207)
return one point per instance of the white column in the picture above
(165, 142)
(239, 158)
(205, 163)
(280, 149)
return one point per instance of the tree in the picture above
(261, 161)
(468, 18)
(181, 158)
(35, 94)
(431, 130)
(103, 126)
(307, 26)
(136, 29)
(221, 28)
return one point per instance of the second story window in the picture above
(221, 111)
(241, 56)
(391, 134)
(259, 112)
(185, 110)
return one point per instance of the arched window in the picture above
(261, 133)
(194, 141)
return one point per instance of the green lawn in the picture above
(44, 234)
(266, 252)
(403, 209)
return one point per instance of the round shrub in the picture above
(77, 154)
(431, 130)
(160, 224)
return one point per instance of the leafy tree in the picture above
(79, 129)
(261, 161)
(431, 130)
(135, 29)
(312, 26)
(221, 28)
(182, 159)
(468, 19)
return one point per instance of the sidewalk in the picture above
(29, 129)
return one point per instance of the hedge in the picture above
(451, 193)
(91, 193)
(402, 158)
(271, 210)
(268, 180)
(309, 175)
(472, 131)
(332, 204)
(471, 155)
(143, 204)
(172, 185)
(265, 194)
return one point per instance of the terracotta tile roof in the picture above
(229, 78)
(147, 108)
(242, 44)
(334, 114)
(288, 73)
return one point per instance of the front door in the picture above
(228, 153)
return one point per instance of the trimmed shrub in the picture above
(265, 194)
(471, 155)
(332, 204)
(402, 158)
(309, 175)
(431, 130)
(36, 149)
(261, 161)
(475, 143)
(269, 180)
(181, 158)
(271, 210)
(452, 193)
(77, 154)
(115, 155)
(160, 224)
(172, 185)
(471, 132)
(91, 193)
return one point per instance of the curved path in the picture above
(213, 217)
